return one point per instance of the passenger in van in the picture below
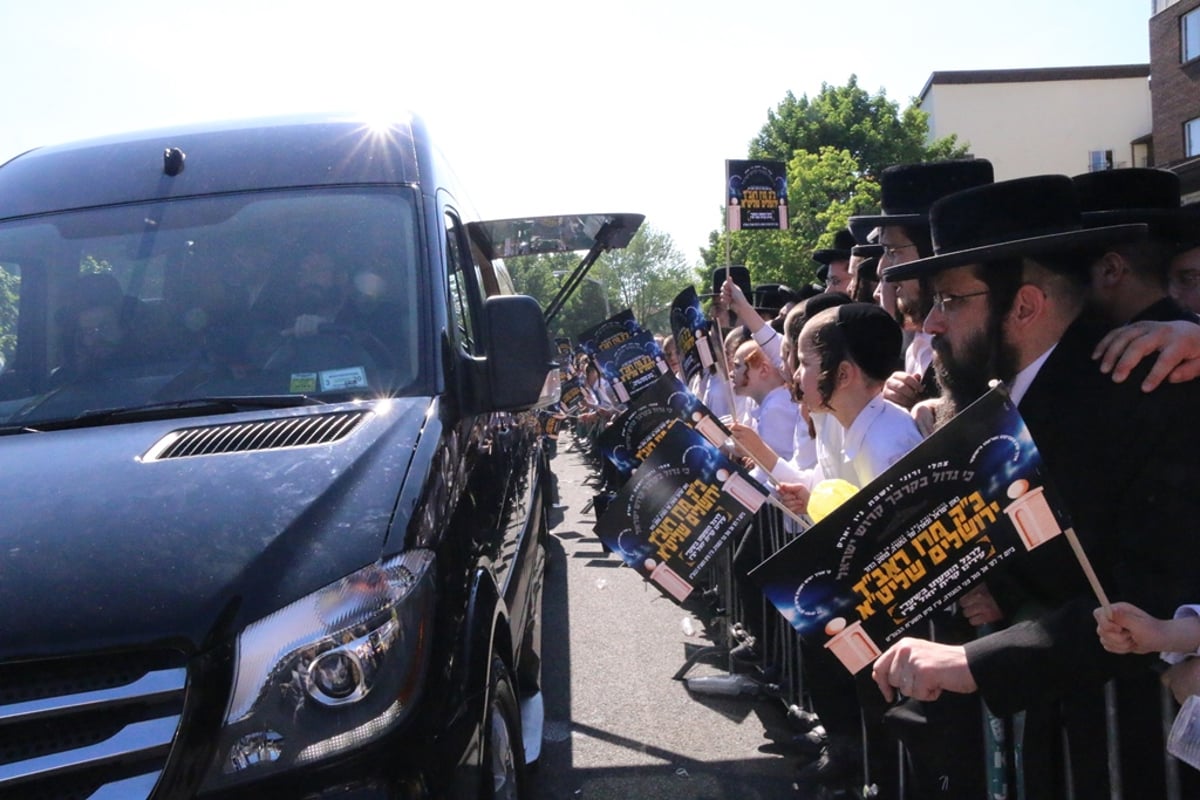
(94, 327)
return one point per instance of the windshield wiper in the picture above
(9, 430)
(193, 406)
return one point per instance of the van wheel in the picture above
(503, 752)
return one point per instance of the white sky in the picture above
(543, 106)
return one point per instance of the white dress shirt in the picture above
(776, 420)
(880, 434)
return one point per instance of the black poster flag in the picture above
(625, 353)
(572, 398)
(756, 195)
(681, 507)
(690, 327)
(970, 496)
(632, 434)
(565, 353)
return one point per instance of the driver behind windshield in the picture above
(331, 297)
(93, 328)
(321, 294)
(336, 319)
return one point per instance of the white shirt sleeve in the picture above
(1180, 613)
(787, 472)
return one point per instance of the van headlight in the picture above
(330, 672)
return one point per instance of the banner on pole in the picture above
(690, 328)
(756, 195)
(630, 436)
(625, 353)
(572, 399)
(972, 495)
(684, 504)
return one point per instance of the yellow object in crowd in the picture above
(828, 495)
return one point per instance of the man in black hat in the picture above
(1009, 281)
(834, 271)
(1129, 279)
(864, 272)
(771, 300)
(906, 193)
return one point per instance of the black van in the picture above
(273, 504)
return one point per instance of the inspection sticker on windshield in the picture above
(333, 380)
(303, 382)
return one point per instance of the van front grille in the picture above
(88, 727)
(262, 435)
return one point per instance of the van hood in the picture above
(110, 540)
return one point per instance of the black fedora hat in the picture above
(843, 240)
(1022, 217)
(808, 291)
(1134, 194)
(738, 273)
(867, 250)
(869, 269)
(861, 228)
(908, 190)
(771, 297)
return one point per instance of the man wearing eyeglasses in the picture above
(1009, 283)
(907, 191)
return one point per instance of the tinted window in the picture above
(312, 293)
(464, 282)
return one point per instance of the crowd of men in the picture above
(1081, 295)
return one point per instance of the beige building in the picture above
(1051, 120)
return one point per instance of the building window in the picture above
(1099, 160)
(1189, 36)
(1191, 137)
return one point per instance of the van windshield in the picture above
(307, 292)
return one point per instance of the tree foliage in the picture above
(648, 273)
(871, 127)
(643, 277)
(835, 146)
(10, 292)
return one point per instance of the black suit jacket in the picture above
(1127, 465)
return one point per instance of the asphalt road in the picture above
(618, 725)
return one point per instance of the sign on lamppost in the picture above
(756, 195)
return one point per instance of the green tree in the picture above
(10, 292)
(871, 127)
(835, 145)
(825, 189)
(647, 274)
(643, 277)
(541, 277)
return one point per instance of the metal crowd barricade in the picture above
(779, 642)
(780, 672)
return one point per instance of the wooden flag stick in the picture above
(723, 368)
(787, 512)
(1087, 569)
(772, 499)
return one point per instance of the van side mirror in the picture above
(518, 352)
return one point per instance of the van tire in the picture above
(503, 749)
